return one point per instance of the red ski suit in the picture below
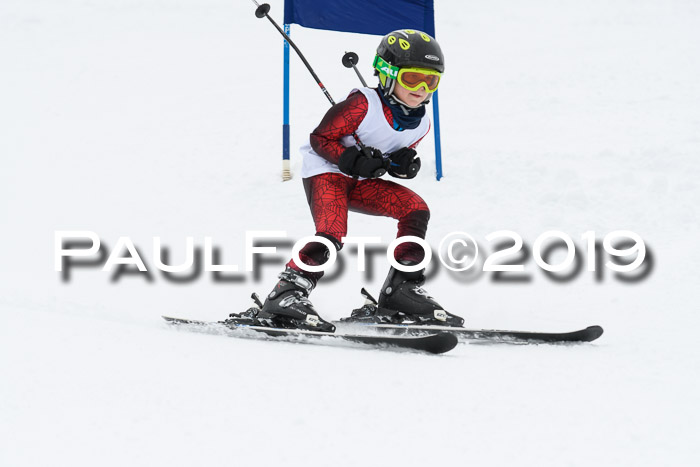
(331, 195)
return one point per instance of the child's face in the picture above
(412, 98)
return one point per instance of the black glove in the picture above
(366, 162)
(404, 163)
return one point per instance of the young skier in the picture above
(339, 176)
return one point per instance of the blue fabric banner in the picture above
(362, 16)
(375, 17)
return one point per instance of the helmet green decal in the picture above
(385, 68)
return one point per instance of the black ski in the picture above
(588, 334)
(431, 342)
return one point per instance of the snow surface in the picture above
(162, 118)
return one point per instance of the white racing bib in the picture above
(373, 131)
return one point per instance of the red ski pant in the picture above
(332, 195)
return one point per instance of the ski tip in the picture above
(172, 320)
(593, 332)
(442, 342)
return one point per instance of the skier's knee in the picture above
(414, 223)
(336, 243)
(318, 252)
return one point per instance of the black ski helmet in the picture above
(408, 48)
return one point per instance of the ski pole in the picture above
(349, 61)
(262, 11)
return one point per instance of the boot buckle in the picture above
(440, 315)
(312, 320)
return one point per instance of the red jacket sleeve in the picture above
(341, 120)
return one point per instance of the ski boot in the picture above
(403, 292)
(288, 305)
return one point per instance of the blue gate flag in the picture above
(378, 17)
(362, 16)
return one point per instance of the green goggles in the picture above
(411, 78)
